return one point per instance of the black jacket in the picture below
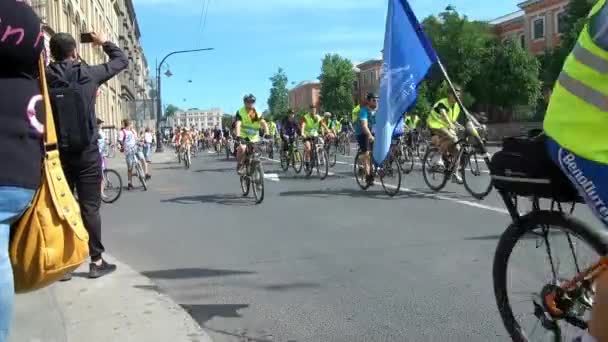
(20, 129)
(91, 77)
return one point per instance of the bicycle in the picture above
(111, 184)
(139, 171)
(418, 142)
(331, 146)
(389, 173)
(292, 157)
(318, 159)
(229, 148)
(560, 302)
(109, 151)
(185, 156)
(268, 148)
(218, 147)
(344, 143)
(472, 152)
(403, 153)
(254, 173)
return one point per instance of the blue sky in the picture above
(253, 38)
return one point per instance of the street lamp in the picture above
(159, 145)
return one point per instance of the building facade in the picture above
(537, 26)
(117, 19)
(368, 78)
(198, 119)
(304, 95)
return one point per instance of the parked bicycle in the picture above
(468, 162)
(254, 173)
(318, 159)
(292, 157)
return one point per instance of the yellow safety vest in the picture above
(249, 129)
(311, 128)
(436, 120)
(355, 115)
(577, 116)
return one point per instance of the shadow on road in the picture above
(291, 286)
(528, 236)
(188, 273)
(355, 193)
(224, 169)
(153, 288)
(223, 199)
(205, 312)
(177, 167)
(241, 337)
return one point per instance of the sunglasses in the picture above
(250, 102)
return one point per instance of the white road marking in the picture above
(272, 177)
(430, 195)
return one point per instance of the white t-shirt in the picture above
(101, 141)
(127, 138)
(148, 137)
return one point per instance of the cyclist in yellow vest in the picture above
(442, 121)
(272, 128)
(576, 123)
(311, 126)
(247, 128)
(355, 114)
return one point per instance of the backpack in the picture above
(524, 168)
(74, 126)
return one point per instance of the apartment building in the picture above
(198, 118)
(304, 95)
(117, 19)
(537, 26)
(368, 78)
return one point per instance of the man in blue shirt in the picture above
(364, 132)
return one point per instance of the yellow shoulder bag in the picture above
(49, 240)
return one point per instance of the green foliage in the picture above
(337, 80)
(171, 110)
(278, 102)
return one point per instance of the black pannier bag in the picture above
(524, 168)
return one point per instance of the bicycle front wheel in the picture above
(332, 155)
(141, 176)
(296, 161)
(322, 163)
(476, 177)
(245, 185)
(390, 177)
(435, 174)
(552, 249)
(111, 186)
(284, 161)
(257, 180)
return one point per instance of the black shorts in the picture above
(364, 144)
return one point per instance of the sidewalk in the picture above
(123, 306)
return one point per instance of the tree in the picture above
(278, 102)
(337, 82)
(171, 110)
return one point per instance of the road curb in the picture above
(124, 306)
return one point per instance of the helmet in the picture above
(371, 96)
(249, 98)
(327, 114)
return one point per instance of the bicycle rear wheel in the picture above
(435, 175)
(390, 176)
(359, 172)
(257, 180)
(332, 155)
(296, 161)
(112, 186)
(406, 159)
(525, 310)
(322, 163)
(477, 180)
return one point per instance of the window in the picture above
(522, 41)
(538, 28)
(560, 22)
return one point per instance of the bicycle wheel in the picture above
(332, 155)
(296, 161)
(112, 186)
(308, 168)
(359, 172)
(257, 180)
(179, 157)
(270, 152)
(187, 161)
(140, 175)
(406, 159)
(341, 147)
(542, 232)
(227, 152)
(390, 176)
(477, 180)
(435, 175)
(245, 185)
(284, 161)
(421, 148)
(322, 163)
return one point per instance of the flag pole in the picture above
(453, 90)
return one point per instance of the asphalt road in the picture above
(317, 260)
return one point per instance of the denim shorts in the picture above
(132, 155)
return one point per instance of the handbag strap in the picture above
(50, 135)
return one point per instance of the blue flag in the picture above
(408, 56)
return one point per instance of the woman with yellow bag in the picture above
(21, 128)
